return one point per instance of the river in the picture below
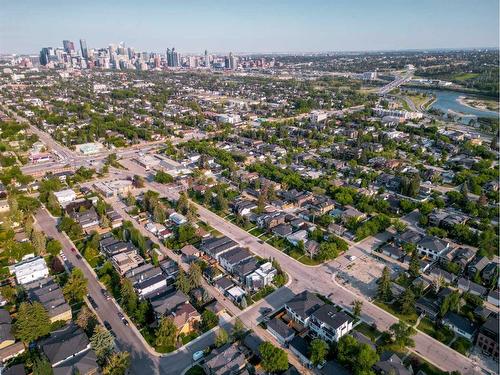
(449, 101)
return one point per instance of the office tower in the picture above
(44, 56)
(207, 63)
(83, 47)
(68, 46)
(169, 57)
(233, 61)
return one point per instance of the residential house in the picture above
(329, 324)
(65, 345)
(393, 252)
(29, 269)
(280, 330)
(185, 318)
(226, 360)
(298, 346)
(6, 336)
(428, 307)
(229, 259)
(245, 268)
(164, 304)
(459, 324)
(432, 247)
(409, 236)
(350, 213)
(494, 297)
(49, 294)
(261, 277)
(477, 265)
(301, 307)
(391, 364)
(126, 261)
(215, 247)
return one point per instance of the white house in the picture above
(177, 219)
(261, 277)
(30, 269)
(330, 324)
(432, 247)
(64, 197)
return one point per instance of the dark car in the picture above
(107, 325)
(92, 302)
(78, 256)
(73, 249)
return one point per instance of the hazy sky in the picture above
(250, 25)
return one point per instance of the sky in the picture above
(250, 25)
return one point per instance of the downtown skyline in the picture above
(280, 27)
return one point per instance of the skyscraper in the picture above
(44, 56)
(83, 47)
(68, 46)
(207, 62)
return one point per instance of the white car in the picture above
(352, 258)
(198, 355)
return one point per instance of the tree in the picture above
(38, 239)
(194, 275)
(273, 359)
(130, 199)
(384, 286)
(238, 329)
(319, 349)
(118, 364)
(182, 203)
(102, 343)
(192, 214)
(53, 247)
(414, 267)
(365, 358)
(53, 204)
(9, 293)
(407, 302)
(41, 366)
(28, 225)
(222, 338)
(208, 320)
(401, 333)
(450, 303)
(139, 181)
(346, 349)
(159, 214)
(86, 320)
(166, 334)
(327, 251)
(182, 282)
(76, 287)
(358, 305)
(163, 178)
(129, 296)
(32, 322)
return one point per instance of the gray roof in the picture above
(166, 303)
(280, 328)
(235, 256)
(329, 315)
(433, 243)
(304, 304)
(460, 322)
(246, 267)
(64, 343)
(81, 364)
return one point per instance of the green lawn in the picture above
(442, 334)
(465, 76)
(462, 345)
(410, 319)
(418, 363)
(367, 330)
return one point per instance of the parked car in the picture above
(198, 355)
(92, 302)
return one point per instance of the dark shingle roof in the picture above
(304, 304)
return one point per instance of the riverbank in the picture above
(478, 104)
